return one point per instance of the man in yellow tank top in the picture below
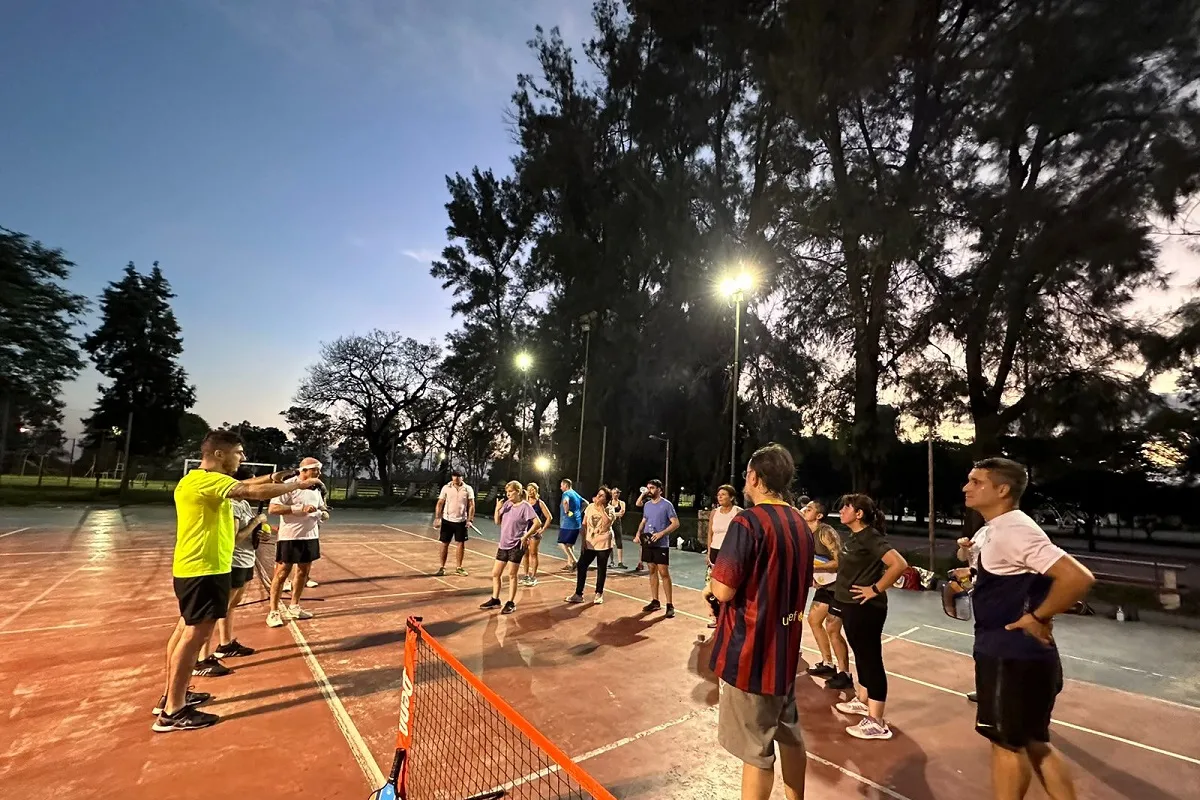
(202, 564)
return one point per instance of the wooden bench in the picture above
(1163, 577)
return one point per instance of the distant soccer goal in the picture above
(259, 468)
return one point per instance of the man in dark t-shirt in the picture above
(762, 577)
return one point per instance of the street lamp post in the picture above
(667, 465)
(586, 321)
(524, 361)
(735, 288)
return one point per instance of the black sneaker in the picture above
(651, 607)
(185, 719)
(234, 649)
(190, 701)
(621, 566)
(670, 611)
(490, 604)
(509, 607)
(211, 668)
(822, 670)
(840, 682)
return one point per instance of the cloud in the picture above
(422, 256)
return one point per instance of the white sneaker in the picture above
(275, 620)
(598, 600)
(287, 586)
(868, 728)
(854, 706)
(311, 584)
(296, 612)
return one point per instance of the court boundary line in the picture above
(909, 678)
(42, 596)
(1116, 689)
(18, 530)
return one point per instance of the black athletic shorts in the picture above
(656, 555)
(1016, 697)
(203, 598)
(835, 605)
(453, 530)
(824, 594)
(713, 552)
(513, 555)
(297, 551)
(240, 576)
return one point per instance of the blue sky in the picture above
(283, 160)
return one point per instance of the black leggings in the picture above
(863, 625)
(585, 560)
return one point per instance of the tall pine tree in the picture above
(39, 348)
(136, 348)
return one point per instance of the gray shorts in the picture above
(749, 725)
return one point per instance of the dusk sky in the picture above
(283, 160)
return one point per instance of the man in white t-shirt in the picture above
(1022, 581)
(301, 512)
(961, 577)
(454, 513)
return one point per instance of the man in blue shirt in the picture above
(659, 521)
(569, 523)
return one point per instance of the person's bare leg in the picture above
(225, 626)
(1011, 773)
(183, 661)
(277, 581)
(1051, 771)
(816, 624)
(172, 644)
(298, 582)
(462, 549)
(837, 640)
(535, 558)
(569, 552)
(756, 782)
(664, 575)
(877, 708)
(497, 574)
(445, 552)
(793, 760)
(512, 582)
(653, 581)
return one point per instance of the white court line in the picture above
(706, 711)
(1136, 695)
(362, 754)
(39, 598)
(18, 530)
(410, 566)
(911, 679)
(887, 639)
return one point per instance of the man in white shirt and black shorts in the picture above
(1022, 581)
(301, 512)
(455, 512)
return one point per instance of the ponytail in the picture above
(871, 514)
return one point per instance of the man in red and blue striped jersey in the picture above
(762, 575)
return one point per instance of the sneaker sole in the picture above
(170, 728)
(841, 710)
(857, 734)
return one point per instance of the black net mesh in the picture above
(463, 747)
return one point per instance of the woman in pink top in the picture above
(718, 526)
(597, 544)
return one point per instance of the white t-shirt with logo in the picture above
(720, 524)
(456, 501)
(293, 527)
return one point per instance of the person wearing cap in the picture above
(659, 521)
(298, 545)
(455, 512)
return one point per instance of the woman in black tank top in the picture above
(529, 565)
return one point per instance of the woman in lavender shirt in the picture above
(517, 522)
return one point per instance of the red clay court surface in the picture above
(86, 614)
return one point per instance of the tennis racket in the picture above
(471, 525)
